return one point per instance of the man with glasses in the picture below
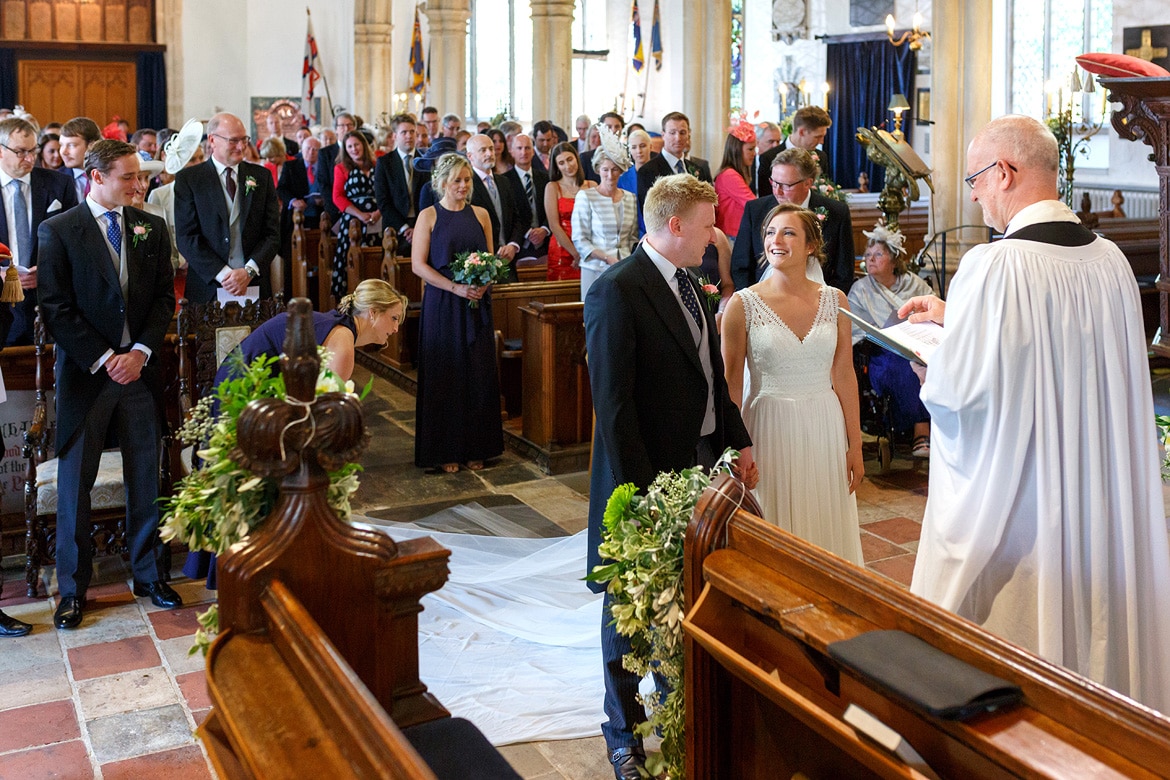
(791, 181)
(1045, 521)
(327, 159)
(227, 217)
(29, 196)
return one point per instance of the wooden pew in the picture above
(315, 670)
(556, 400)
(507, 300)
(401, 349)
(365, 262)
(326, 248)
(303, 265)
(764, 698)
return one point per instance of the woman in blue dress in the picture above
(457, 412)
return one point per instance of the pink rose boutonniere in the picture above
(711, 293)
(249, 185)
(139, 231)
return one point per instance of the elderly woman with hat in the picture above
(605, 217)
(876, 297)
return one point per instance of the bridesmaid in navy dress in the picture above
(457, 412)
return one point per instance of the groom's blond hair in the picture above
(674, 196)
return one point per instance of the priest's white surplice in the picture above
(1045, 519)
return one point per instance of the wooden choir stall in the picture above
(767, 699)
(315, 670)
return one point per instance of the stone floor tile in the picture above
(185, 763)
(123, 655)
(898, 530)
(40, 647)
(175, 651)
(63, 761)
(874, 548)
(170, 623)
(200, 716)
(141, 689)
(194, 688)
(899, 569)
(105, 625)
(137, 733)
(38, 724)
(35, 685)
(578, 759)
(526, 760)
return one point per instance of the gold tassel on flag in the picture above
(12, 290)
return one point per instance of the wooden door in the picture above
(58, 90)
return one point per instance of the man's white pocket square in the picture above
(54, 206)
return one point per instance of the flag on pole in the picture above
(310, 75)
(656, 40)
(418, 81)
(636, 24)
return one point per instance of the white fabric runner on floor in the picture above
(512, 641)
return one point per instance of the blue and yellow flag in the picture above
(418, 82)
(656, 40)
(636, 24)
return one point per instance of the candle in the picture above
(825, 96)
(890, 25)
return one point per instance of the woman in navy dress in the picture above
(457, 412)
(368, 315)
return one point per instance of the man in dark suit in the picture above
(659, 396)
(544, 138)
(493, 193)
(810, 125)
(676, 143)
(792, 175)
(227, 217)
(314, 203)
(107, 296)
(395, 184)
(30, 195)
(343, 124)
(528, 194)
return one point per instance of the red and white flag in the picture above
(310, 75)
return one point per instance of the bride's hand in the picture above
(854, 466)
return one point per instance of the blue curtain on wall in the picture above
(864, 75)
(7, 78)
(152, 90)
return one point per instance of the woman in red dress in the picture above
(564, 181)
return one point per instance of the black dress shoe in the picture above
(161, 594)
(629, 763)
(10, 626)
(68, 614)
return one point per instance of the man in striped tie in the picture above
(528, 185)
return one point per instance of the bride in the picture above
(802, 409)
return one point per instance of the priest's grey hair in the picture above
(1021, 140)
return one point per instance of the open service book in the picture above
(915, 341)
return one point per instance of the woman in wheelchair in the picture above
(875, 297)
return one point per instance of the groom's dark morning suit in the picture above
(83, 305)
(650, 400)
(203, 225)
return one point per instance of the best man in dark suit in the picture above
(396, 185)
(227, 217)
(792, 175)
(508, 225)
(42, 193)
(659, 396)
(107, 297)
(343, 124)
(528, 194)
(676, 143)
(810, 125)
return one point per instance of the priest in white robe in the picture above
(1045, 521)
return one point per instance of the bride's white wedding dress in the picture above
(798, 428)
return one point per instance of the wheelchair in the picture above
(876, 418)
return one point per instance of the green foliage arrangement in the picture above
(220, 502)
(643, 548)
(1163, 423)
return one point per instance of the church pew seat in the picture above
(507, 301)
(556, 402)
(315, 669)
(303, 268)
(765, 698)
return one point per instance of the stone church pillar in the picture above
(371, 58)
(961, 105)
(706, 74)
(447, 24)
(552, 57)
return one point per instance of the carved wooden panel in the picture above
(115, 20)
(65, 21)
(141, 21)
(40, 20)
(90, 22)
(59, 90)
(14, 27)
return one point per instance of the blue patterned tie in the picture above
(679, 167)
(687, 293)
(114, 231)
(23, 228)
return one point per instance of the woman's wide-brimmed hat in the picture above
(439, 146)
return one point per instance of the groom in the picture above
(658, 394)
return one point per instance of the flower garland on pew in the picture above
(643, 546)
(220, 502)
